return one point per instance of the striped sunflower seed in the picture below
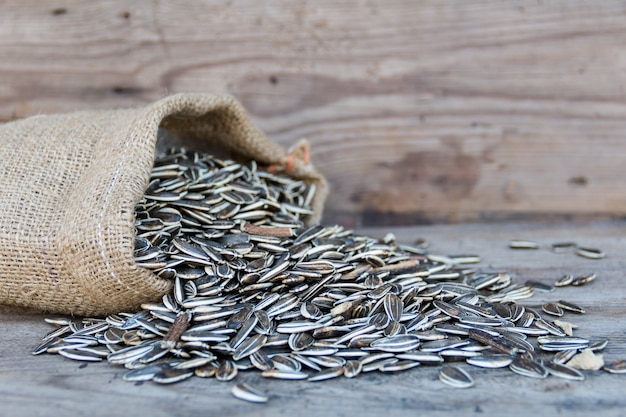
(455, 377)
(248, 393)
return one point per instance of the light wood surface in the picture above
(417, 111)
(51, 385)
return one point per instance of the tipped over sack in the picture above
(69, 185)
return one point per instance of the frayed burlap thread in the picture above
(69, 184)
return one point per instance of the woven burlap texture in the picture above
(69, 184)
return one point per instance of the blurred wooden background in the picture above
(417, 111)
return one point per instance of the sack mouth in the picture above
(219, 126)
(167, 139)
(72, 183)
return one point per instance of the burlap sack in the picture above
(69, 184)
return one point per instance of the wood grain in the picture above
(52, 385)
(416, 111)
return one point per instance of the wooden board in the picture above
(417, 111)
(50, 385)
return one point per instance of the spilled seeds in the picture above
(255, 290)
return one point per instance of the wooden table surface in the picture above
(51, 385)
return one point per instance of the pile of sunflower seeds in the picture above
(254, 289)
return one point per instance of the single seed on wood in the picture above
(563, 247)
(455, 377)
(564, 281)
(616, 367)
(552, 309)
(583, 280)
(540, 286)
(523, 244)
(590, 253)
(566, 305)
(245, 392)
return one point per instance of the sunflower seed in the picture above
(398, 366)
(564, 356)
(490, 361)
(226, 371)
(563, 247)
(552, 309)
(171, 376)
(616, 367)
(528, 367)
(498, 343)
(562, 340)
(564, 371)
(455, 377)
(145, 373)
(290, 375)
(326, 374)
(594, 347)
(377, 365)
(352, 368)
(393, 306)
(523, 244)
(130, 353)
(249, 346)
(590, 253)
(564, 281)
(399, 343)
(555, 329)
(566, 305)
(440, 345)
(248, 393)
(194, 363)
(540, 286)
(80, 355)
(583, 280)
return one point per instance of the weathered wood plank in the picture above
(48, 385)
(417, 111)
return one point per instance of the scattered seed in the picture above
(564, 371)
(523, 244)
(583, 280)
(564, 281)
(616, 367)
(552, 309)
(563, 247)
(540, 286)
(590, 253)
(245, 392)
(566, 305)
(455, 377)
